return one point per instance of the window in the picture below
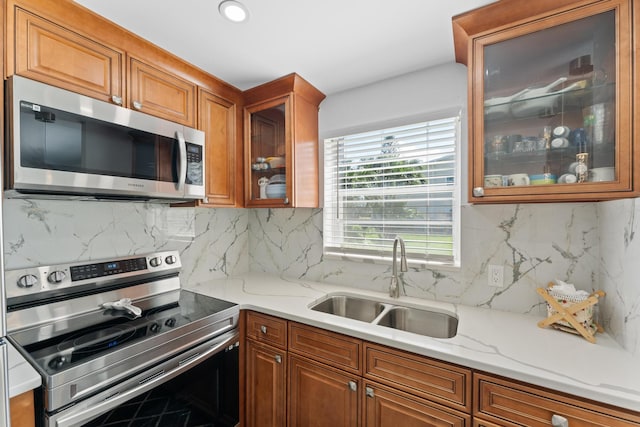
(400, 181)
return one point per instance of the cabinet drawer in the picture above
(437, 381)
(327, 347)
(267, 329)
(507, 403)
(384, 406)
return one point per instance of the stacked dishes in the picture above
(277, 187)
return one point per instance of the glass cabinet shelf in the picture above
(550, 102)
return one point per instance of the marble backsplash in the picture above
(213, 242)
(534, 243)
(591, 245)
(620, 270)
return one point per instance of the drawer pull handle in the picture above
(263, 329)
(558, 421)
(369, 392)
(353, 386)
(278, 358)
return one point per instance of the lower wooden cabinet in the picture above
(299, 375)
(504, 402)
(321, 396)
(384, 406)
(266, 374)
(22, 410)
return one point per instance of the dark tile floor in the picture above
(156, 408)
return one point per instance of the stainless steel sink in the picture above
(356, 308)
(424, 322)
(431, 323)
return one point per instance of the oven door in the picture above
(197, 387)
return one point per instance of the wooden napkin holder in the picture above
(568, 314)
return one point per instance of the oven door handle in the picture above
(91, 408)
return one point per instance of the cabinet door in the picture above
(388, 407)
(157, 92)
(268, 153)
(551, 105)
(55, 55)
(217, 118)
(22, 410)
(265, 386)
(321, 396)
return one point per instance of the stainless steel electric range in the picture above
(110, 334)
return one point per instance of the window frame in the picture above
(385, 256)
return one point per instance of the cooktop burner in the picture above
(119, 329)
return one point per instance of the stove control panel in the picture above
(25, 283)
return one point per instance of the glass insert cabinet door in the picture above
(268, 127)
(551, 108)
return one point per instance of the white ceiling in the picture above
(334, 44)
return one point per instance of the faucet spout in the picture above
(394, 286)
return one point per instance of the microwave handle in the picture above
(182, 165)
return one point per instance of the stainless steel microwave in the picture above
(62, 144)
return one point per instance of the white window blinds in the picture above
(400, 181)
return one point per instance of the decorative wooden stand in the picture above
(567, 314)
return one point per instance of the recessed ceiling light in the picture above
(234, 11)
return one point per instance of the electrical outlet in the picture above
(495, 276)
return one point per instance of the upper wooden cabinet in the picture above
(50, 53)
(221, 120)
(550, 100)
(281, 144)
(156, 91)
(65, 45)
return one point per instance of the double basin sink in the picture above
(431, 323)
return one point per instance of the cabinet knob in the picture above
(263, 329)
(116, 99)
(559, 421)
(353, 386)
(369, 392)
(286, 200)
(278, 358)
(478, 192)
(137, 105)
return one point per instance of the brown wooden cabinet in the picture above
(22, 410)
(63, 44)
(281, 144)
(158, 92)
(53, 54)
(220, 119)
(499, 401)
(337, 380)
(550, 100)
(321, 396)
(266, 373)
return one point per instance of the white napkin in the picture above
(567, 289)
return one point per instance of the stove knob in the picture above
(155, 327)
(155, 261)
(56, 276)
(27, 281)
(171, 322)
(171, 259)
(57, 362)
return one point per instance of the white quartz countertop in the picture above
(22, 376)
(507, 344)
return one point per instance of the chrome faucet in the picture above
(394, 286)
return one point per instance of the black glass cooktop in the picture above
(115, 329)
